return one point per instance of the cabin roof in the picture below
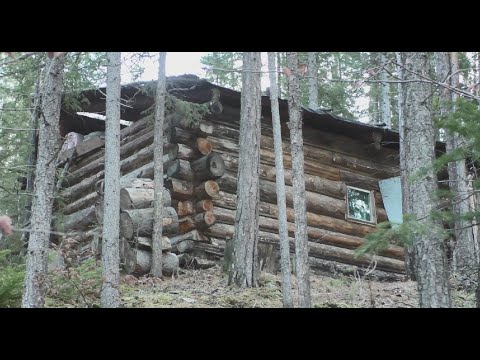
(136, 99)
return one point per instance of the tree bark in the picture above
(204, 220)
(299, 201)
(386, 113)
(44, 185)
(410, 265)
(312, 81)
(432, 269)
(244, 272)
(110, 296)
(466, 252)
(280, 175)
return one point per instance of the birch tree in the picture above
(44, 184)
(431, 264)
(158, 169)
(280, 186)
(245, 269)
(298, 181)
(110, 296)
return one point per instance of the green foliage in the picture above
(12, 275)
(403, 234)
(220, 65)
(79, 287)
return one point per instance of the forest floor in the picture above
(208, 289)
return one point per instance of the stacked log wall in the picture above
(200, 170)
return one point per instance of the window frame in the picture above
(373, 211)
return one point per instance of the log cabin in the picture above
(351, 180)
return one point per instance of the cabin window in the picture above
(360, 205)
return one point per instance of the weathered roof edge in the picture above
(136, 98)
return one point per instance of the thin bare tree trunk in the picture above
(158, 169)
(110, 297)
(404, 149)
(280, 187)
(386, 113)
(44, 184)
(312, 81)
(245, 269)
(432, 268)
(466, 253)
(298, 181)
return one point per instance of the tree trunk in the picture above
(312, 81)
(279, 172)
(404, 150)
(244, 272)
(299, 203)
(44, 184)
(466, 253)
(386, 113)
(110, 296)
(432, 269)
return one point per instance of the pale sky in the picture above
(178, 63)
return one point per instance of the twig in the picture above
(7, 62)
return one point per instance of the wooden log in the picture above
(204, 220)
(229, 201)
(185, 208)
(127, 182)
(185, 152)
(100, 153)
(170, 168)
(207, 190)
(223, 146)
(97, 165)
(179, 189)
(140, 261)
(182, 136)
(314, 183)
(80, 204)
(81, 220)
(312, 137)
(203, 146)
(186, 224)
(145, 243)
(329, 268)
(318, 250)
(99, 211)
(204, 205)
(191, 235)
(141, 198)
(323, 236)
(208, 167)
(83, 237)
(183, 171)
(135, 161)
(316, 203)
(140, 222)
